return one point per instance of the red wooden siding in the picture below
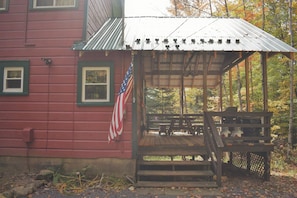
(61, 128)
(96, 19)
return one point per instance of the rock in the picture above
(39, 183)
(45, 175)
(2, 196)
(8, 194)
(22, 191)
(131, 188)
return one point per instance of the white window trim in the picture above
(54, 5)
(107, 69)
(13, 90)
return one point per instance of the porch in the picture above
(196, 159)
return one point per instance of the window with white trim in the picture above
(14, 77)
(95, 83)
(54, 3)
(3, 5)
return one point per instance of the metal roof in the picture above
(177, 51)
(186, 34)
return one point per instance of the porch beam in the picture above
(247, 82)
(230, 88)
(189, 61)
(235, 59)
(264, 80)
(170, 70)
(205, 71)
(158, 66)
(178, 72)
(195, 66)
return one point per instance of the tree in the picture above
(161, 100)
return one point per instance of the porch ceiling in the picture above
(183, 50)
(176, 69)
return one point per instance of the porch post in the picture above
(247, 83)
(230, 88)
(205, 68)
(264, 81)
(221, 93)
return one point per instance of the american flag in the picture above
(116, 125)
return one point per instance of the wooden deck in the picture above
(178, 140)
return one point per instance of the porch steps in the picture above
(156, 169)
(204, 184)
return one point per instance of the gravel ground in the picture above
(280, 186)
(234, 186)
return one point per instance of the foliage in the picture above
(77, 183)
(280, 162)
(162, 100)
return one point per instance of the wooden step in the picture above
(206, 173)
(204, 184)
(171, 152)
(174, 163)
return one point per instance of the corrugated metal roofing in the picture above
(175, 50)
(184, 34)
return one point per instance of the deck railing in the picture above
(154, 121)
(214, 145)
(237, 132)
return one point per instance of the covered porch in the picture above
(170, 52)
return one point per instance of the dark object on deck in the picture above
(251, 131)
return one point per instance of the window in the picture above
(15, 75)
(13, 79)
(3, 5)
(54, 3)
(95, 83)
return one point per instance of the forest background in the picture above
(277, 17)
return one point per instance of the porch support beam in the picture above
(205, 72)
(221, 92)
(170, 70)
(195, 67)
(264, 80)
(230, 88)
(236, 59)
(178, 72)
(247, 83)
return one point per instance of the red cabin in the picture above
(62, 64)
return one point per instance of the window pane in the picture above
(96, 76)
(2, 3)
(65, 2)
(14, 74)
(44, 2)
(12, 84)
(95, 92)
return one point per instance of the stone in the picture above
(22, 191)
(45, 175)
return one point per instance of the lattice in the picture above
(257, 162)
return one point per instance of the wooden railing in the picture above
(253, 129)
(214, 145)
(175, 121)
